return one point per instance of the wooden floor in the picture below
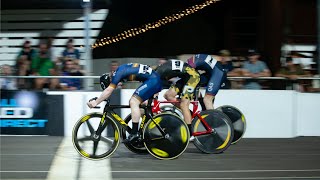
(55, 158)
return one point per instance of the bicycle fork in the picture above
(102, 125)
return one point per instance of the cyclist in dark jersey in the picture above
(139, 72)
(213, 77)
(189, 78)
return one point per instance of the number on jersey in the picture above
(210, 61)
(143, 69)
(177, 65)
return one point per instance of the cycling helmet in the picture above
(105, 80)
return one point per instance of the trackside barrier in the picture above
(269, 113)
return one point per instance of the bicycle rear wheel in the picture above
(173, 142)
(138, 147)
(91, 145)
(238, 121)
(220, 138)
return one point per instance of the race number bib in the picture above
(210, 61)
(177, 65)
(143, 69)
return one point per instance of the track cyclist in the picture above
(132, 71)
(213, 76)
(185, 86)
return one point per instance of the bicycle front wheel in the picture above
(89, 143)
(221, 136)
(238, 121)
(166, 136)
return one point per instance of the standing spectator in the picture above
(113, 67)
(292, 72)
(7, 83)
(254, 68)
(70, 69)
(43, 66)
(70, 52)
(162, 61)
(23, 64)
(227, 66)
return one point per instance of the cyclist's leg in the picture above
(171, 94)
(134, 103)
(142, 93)
(187, 94)
(218, 76)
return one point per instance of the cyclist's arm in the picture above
(105, 94)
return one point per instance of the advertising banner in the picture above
(25, 113)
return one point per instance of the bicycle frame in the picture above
(195, 113)
(110, 109)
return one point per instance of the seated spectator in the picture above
(23, 64)
(292, 71)
(254, 68)
(43, 66)
(7, 83)
(71, 53)
(70, 69)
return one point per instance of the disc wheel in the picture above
(238, 121)
(174, 141)
(138, 147)
(91, 145)
(222, 132)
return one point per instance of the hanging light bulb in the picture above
(167, 19)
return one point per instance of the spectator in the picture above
(70, 69)
(226, 62)
(254, 68)
(7, 83)
(162, 61)
(23, 64)
(292, 72)
(70, 52)
(113, 67)
(43, 66)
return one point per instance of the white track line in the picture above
(67, 164)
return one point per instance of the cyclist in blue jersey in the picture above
(132, 71)
(211, 73)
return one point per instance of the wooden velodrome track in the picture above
(44, 157)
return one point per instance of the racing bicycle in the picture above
(97, 135)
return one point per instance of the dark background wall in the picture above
(228, 24)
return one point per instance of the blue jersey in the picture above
(202, 62)
(132, 71)
(214, 77)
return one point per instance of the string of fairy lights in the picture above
(149, 26)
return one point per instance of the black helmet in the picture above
(105, 80)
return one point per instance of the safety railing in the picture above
(283, 81)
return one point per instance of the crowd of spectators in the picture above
(42, 62)
(255, 72)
